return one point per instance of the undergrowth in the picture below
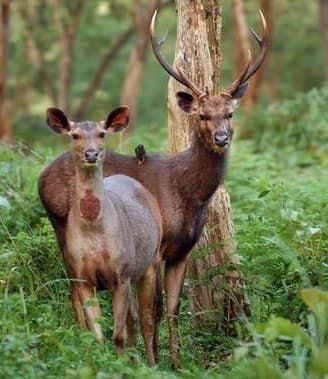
(280, 203)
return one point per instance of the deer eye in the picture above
(101, 135)
(230, 115)
(203, 117)
(75, 136)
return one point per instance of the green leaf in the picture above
(262, 367)
(318, 364)
(316, 300)
(264, 193)
(279, 327)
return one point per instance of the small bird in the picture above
(140, 153)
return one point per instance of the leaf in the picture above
(316, 300)
(318, 364)
(263, 367)
(264, 193)
(281, 327)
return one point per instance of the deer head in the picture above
(87, 137)
(214, 111)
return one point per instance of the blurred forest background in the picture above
(76, 56)
(87, 57)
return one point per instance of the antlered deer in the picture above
(113, 233)
(182, 183)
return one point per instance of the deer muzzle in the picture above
(221, 139)
(91, 156)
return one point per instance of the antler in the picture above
(178, 74)
(251, 69)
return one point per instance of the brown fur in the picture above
(111, 236)
(89, 206)
(181, 183)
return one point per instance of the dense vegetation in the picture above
(280, 205)
(277, 179)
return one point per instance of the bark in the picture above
(323, 19)
(213, 297)
(142, 14)
(5, 124)
(243, 44)
(105, 62)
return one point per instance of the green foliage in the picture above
(296, 44)
(280, 348)
(280, 208)
(281, 231)
(279, 196)
(295, 60)
(299, 123)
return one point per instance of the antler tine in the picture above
(177, 75)
(251, 69)
(241, 77)
(263, 43)
(191, 85)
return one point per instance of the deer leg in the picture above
(92, 311)
(174, 275)
(158, 311)
(146, 299)
(120, 310)
(77, 306)
(131, 321)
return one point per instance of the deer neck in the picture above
(90, 194)
(203, 171)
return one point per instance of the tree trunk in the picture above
(5, 125)
(241, 33)
(213, 297)
(243, 45)
(323, 17)
(142, 15)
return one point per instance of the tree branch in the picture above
(67, 44)
(34, 52)
(105, 61)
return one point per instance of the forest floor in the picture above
(280, 203)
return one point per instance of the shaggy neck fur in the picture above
(200, 171)
(90, 193)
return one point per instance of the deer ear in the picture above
(57, 121)
(117, 120)
(187, 102)
(240, 91)
(238, 94)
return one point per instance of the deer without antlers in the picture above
(182, 183)
(113, 234)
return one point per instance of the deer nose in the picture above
(91, 155)
(221, 139)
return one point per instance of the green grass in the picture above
(280, 203)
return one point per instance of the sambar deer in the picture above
(182, 183)
(112, 235)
